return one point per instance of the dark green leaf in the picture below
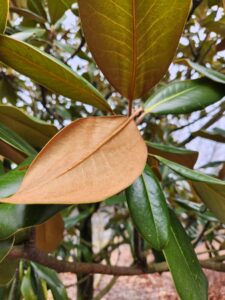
(52, 280)
(36, 132)
(182, 97)
(7, 271)
(15, 141)
(211, 190)
(49, 72)
(148, 209)
(189, 279)
(58, 8)
(208, 72)
(6, 247)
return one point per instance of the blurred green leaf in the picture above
(148, 209)
(4, 4)
(7, 271)
(188, 277)
(27, 288)
(6, 247)
(182, 97)
(58, 8)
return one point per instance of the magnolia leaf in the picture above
(182, 97)
(52, 280)
(49, 235)
(7, 271)
(182, 156)
(15, 141)
(88, 161)
(13, 218)
(10, 153)
(128, 39)
(209, 73)
(184, 266)
(148, 209)
(5, 247)
(27, 287)
(4, 5)
(58, 8)
(211, 190)
(29, 14)
(36, 132)
(49, 72)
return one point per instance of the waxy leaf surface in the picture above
(182, 97)
(184, 266)
(148, 209)
(133, 42)
(48, 72)
(88, 161)
(210, 189)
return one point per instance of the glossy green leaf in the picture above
(10, 182)
(58, 8)
(208, 72)
(188, 277)
(27, 288)
(6, 247)
(148, 209)
(49, 72)
(182, 97)
(183, 156)
(15, 141)
(16, 217)
(4, 5)
(52, 280)
(36, 132)
(212, 190)
(7, 271)
(128, 39)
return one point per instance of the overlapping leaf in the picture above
(15, 141)
(49, 235)
(128, 39)
(88, 161)
(148, 209)
(211, 190)
(48, 72)
(36, 132)
(208, 72)
(58, 8)
(183, 156)
(6, 247)
(16, 217)
(4, 5)
(182, 97)
(189, 279)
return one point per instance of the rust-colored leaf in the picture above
(88, 161)
(49, 235)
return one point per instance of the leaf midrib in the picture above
(53, 75)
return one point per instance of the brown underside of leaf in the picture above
(49, 235)
(88, 161)
(8, 152)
